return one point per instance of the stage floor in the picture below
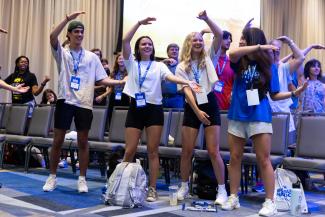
(21, 195)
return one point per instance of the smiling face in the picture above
(315, 70)
(145, 48)
(225, 44)
(120, 61)
(76, 36)
(197, 44)
(22, 64)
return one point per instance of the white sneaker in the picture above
(182, 192)
(231, 203)
(50, 184)
(268, 209)
(222, 197)
(82, 185)
(152, 195)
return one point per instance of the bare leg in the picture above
(153, 140)
(132, 136)
(82, 138)
(212, 140)
(188, 143)
(56, 149)
(262, 145)
(236, 153)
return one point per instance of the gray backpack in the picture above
(126, 186)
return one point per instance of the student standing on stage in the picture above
(250, 114)
(144, 87)
(79, 70)
(201, 108)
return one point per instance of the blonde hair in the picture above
(186, 56)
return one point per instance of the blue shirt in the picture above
(168, 87)
(295, 101)
(239, 109)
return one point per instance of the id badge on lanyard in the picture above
(75, 80)
(75, 83)
(140, 99)
(202, 97)
(252, 94)
(118, 95)
(219, 86)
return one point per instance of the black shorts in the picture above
(211, 108)
(146, 116)
(65, 112)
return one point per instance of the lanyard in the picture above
(197, 74)
(142, 78)
(250, 75)
(223, 65)
(76, 62)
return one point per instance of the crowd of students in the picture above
(250, 83)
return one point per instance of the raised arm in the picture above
(298, 56)
(111, 82)
(305, 51)
(36, 90)
(3, 31)
(237, 53)
(286, 95)
(58, 29)
(215, 29)
(126, 44)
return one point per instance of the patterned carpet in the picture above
(21, 195)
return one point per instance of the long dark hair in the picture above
(312, 63)
(255, 36)
(137, 51)
(44, 98)
(16, 72)
(116, 68)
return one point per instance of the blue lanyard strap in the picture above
(142, 78)
(76, 62)
(223, 66)
(250, 75)
(197, 74)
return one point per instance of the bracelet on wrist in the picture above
(67, 17)
(139, 23)
(293, 94)
(43, 85)
(291, 42)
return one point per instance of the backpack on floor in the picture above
(206, 182)
(282, 191)
(126, 187)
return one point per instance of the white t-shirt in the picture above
(152, 84)
(284, 104)
(90, 70)
(208, 75)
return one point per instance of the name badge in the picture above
(118, 95)
(202, 97)
(140, 99)
(75, 83)
(252, 97)
(219, 86)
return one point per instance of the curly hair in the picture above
(187, 51)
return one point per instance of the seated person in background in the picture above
(314, 96)
(49, 97)
(171, 98)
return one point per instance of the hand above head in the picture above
(21, 89)
(268, 47)
(207, 30)
(318, 46)
(203, 15)
(249, 24)
(285, 39)
(3, 31)
(194, 86)
(74, 15)
(147, 21)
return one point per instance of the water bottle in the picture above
(295, 202)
